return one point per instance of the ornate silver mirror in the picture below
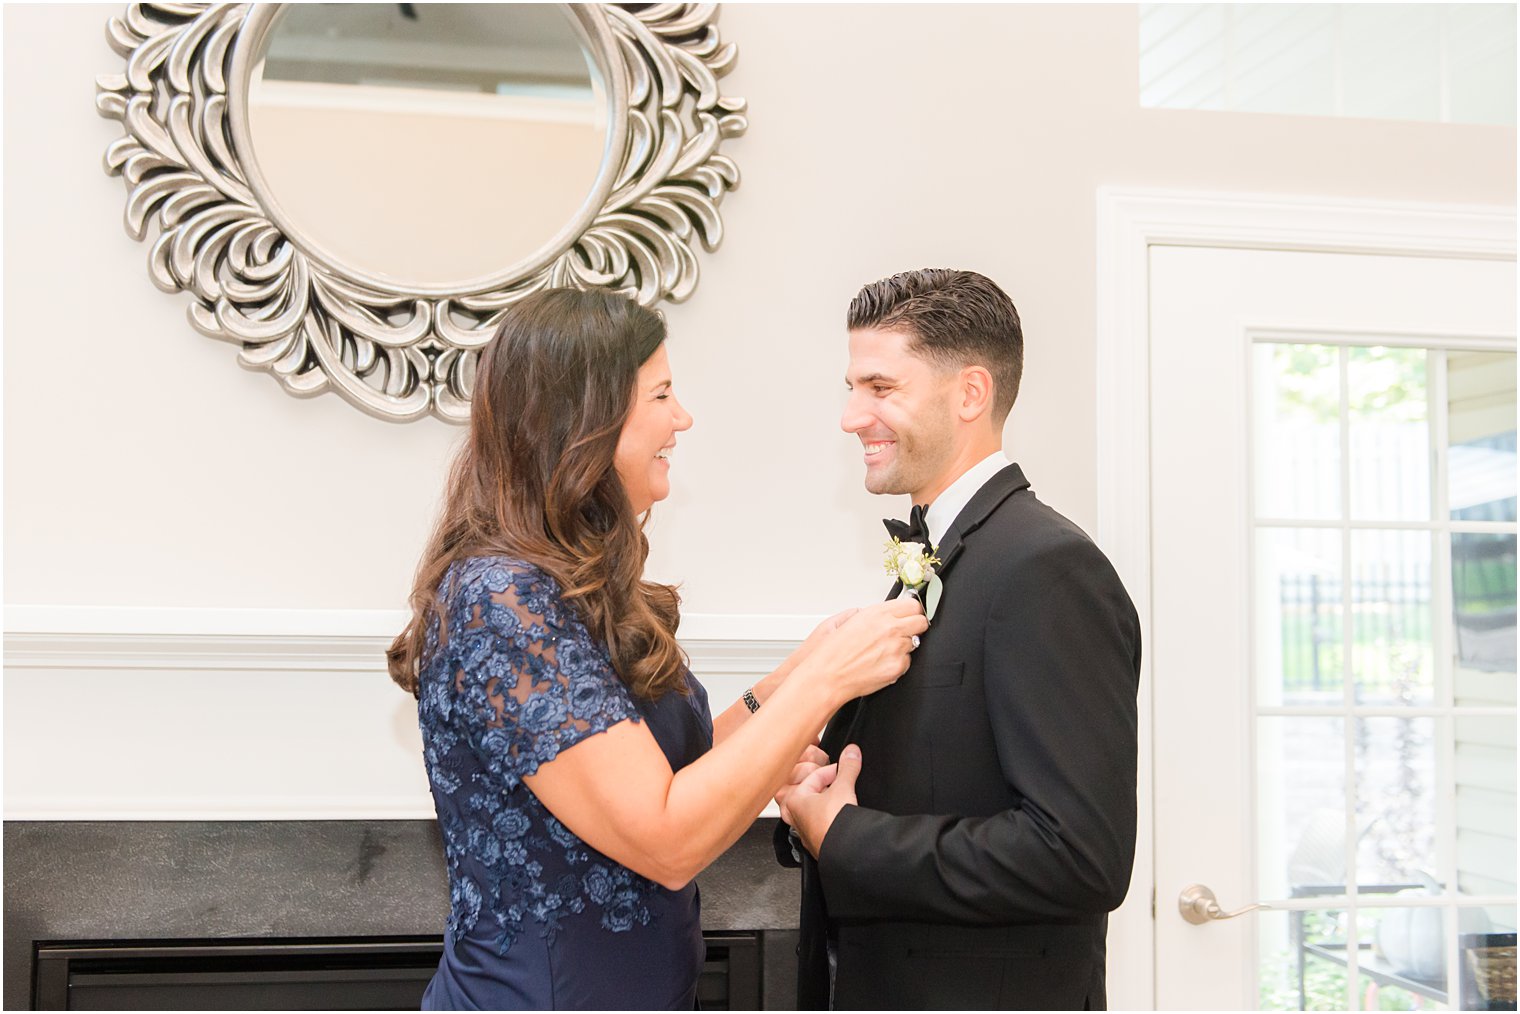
(354, 193)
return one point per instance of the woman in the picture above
(579, 780)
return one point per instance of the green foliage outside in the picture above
(1391, 641)
(1324, 981)
(1388, 383)
(1385, 640)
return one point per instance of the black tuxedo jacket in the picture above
(996, 825)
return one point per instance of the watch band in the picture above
(750, 702)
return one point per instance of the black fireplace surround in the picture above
(270, 914)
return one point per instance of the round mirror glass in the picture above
(428, 144)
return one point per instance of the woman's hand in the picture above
(811, 760)
(870, 649)
(730, 720)
(617, 792)
(820, 632)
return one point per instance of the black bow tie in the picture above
(915, 529)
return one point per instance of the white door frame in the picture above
(1129, 223)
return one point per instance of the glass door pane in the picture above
(1384, 577)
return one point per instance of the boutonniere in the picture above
(913, 564)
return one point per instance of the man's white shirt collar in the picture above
(948, 505)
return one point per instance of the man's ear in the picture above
(976, 393)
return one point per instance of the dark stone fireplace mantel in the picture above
(172, 880)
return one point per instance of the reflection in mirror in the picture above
(428, 144)
(1480, 393)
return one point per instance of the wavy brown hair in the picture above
(535, 481)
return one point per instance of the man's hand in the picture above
(815, 801)
(811, 760)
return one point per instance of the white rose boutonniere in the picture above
(913, 564)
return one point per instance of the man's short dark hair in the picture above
(953, 318)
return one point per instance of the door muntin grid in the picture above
(1383, 515)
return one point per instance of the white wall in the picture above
(144, 469)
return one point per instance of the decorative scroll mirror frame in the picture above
(402, 351)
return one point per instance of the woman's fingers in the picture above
(819, 779)
(801, 773)
(812, 759)
(914, 623)
(833, 622)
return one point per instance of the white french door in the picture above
(1332, 651)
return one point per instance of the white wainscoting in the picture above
(222, 714)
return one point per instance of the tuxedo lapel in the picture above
(987, 499)
(837, 735)
(994, 491)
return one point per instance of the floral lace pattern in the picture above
(517, 680)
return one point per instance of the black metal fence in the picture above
(1392, 621)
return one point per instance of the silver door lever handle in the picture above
(1198, 905)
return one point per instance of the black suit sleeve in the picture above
(1062, 656)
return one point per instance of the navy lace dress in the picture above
(538, 919)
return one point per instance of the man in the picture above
(972, 861)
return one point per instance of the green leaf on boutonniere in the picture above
(932, 598)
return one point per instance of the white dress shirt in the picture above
(948, 505)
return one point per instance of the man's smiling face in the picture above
(901, 406)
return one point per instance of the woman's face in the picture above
(649, 435)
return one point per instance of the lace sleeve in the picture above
(528, 678)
